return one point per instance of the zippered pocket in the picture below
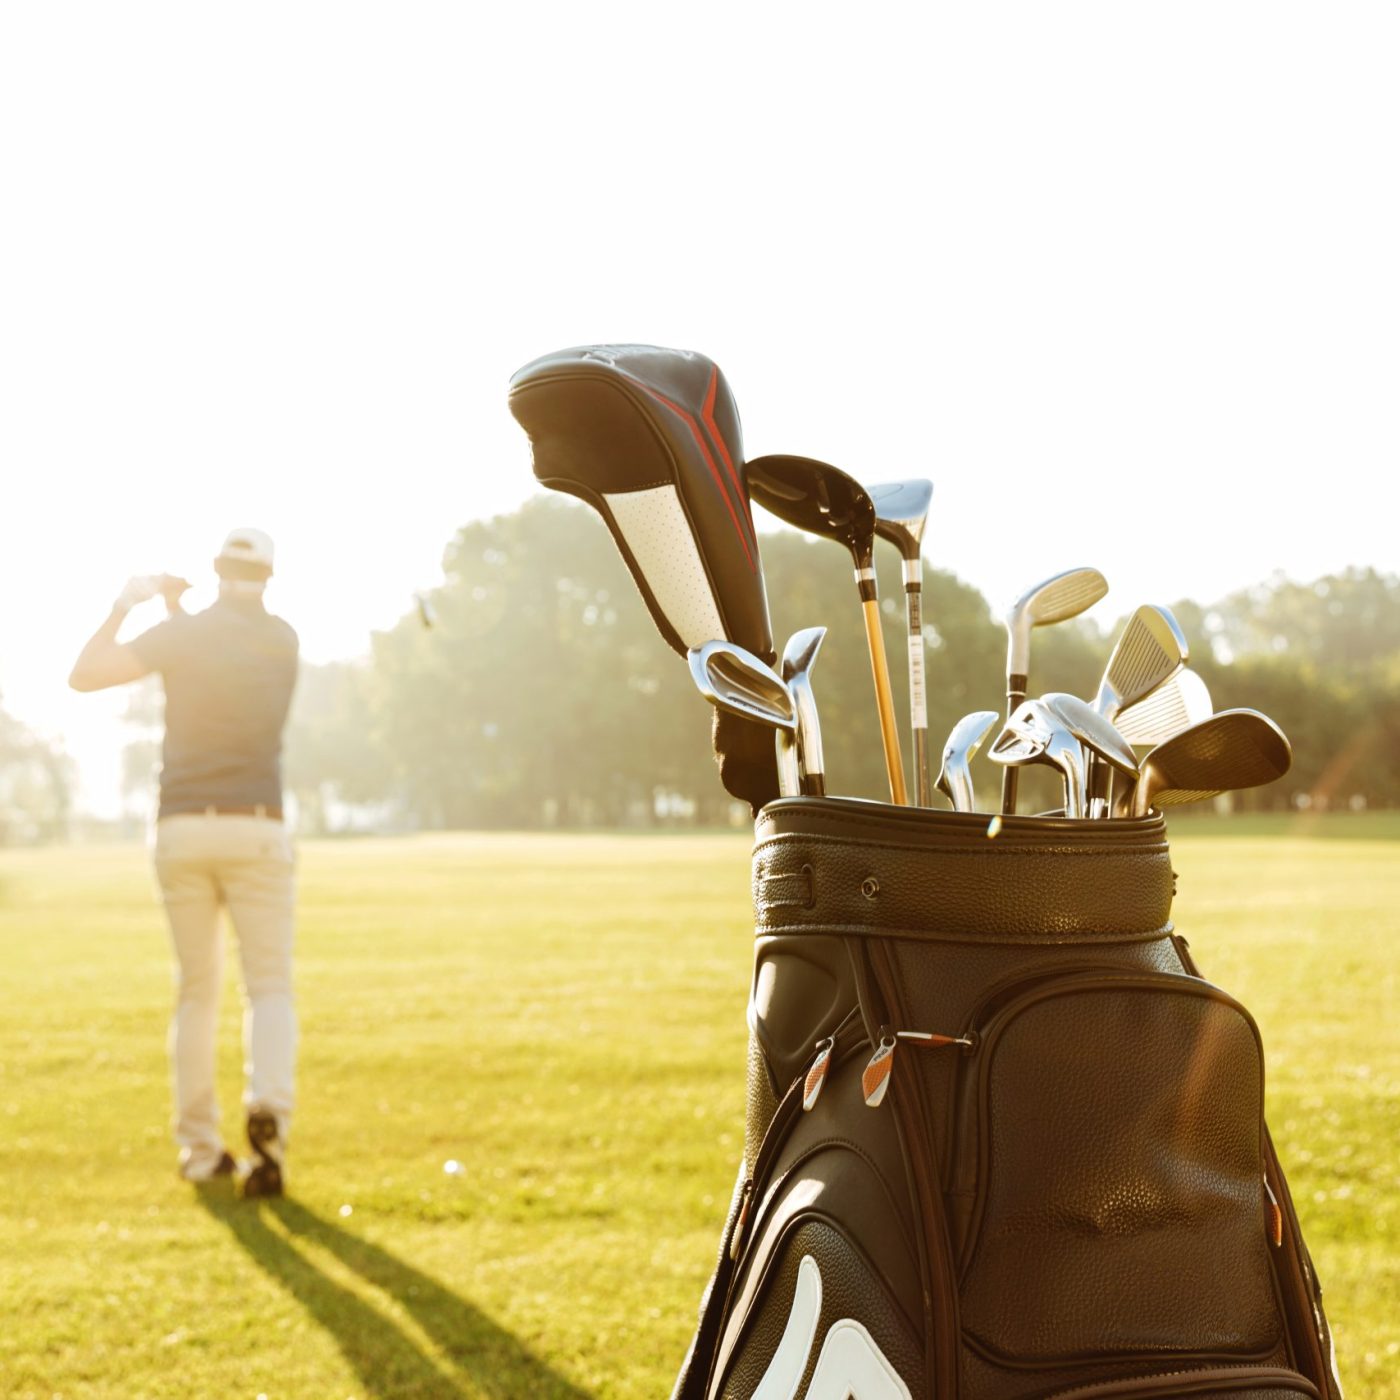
(1108, 1172)
(1237, 1382)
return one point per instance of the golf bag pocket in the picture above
(1107, 1193)
(1236, 1382)
(826, 1288)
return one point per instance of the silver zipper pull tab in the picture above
(875, 1077)
(816, 1076)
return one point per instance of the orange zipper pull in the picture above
(875, 1077)
(816, 1076)
(1274, 1212)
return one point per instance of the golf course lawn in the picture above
(563, 1017)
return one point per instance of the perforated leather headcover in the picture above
(649, 437)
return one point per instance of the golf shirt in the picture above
(228, 674)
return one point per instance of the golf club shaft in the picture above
(918, 704)
(1014, 697)
(884, 699)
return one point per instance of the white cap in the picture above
(248, 546)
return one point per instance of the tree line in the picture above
(543, 694)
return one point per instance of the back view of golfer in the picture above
(228, 674)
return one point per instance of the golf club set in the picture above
(650, 438)
(1002, 1140)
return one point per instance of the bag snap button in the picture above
(870, 887)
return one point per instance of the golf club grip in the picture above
(884, 700)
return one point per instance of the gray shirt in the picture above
(228, 673)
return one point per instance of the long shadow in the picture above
(388, 1361)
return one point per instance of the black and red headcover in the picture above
(650, 438)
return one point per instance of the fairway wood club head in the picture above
(901, 512)
(1231, 750)
(1176, 704)
(799, 656)
(817, 498)
(1036, 734)
(1150, 650)
(955, 777)
(737, 681)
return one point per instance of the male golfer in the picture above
(228, 674)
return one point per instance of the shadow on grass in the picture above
(479, 1357)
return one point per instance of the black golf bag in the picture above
(1003, 1142)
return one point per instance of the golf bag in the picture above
(1003, 1141)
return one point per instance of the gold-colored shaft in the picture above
(880, 669)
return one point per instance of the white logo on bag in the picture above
(850, 1366)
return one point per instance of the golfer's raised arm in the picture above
(104, 661)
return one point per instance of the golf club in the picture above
(799, 656)
(1036, 734)
(1099, 738)
(1233, 749)
(1062, 596)
(735, 680)
(901, 511)
(955, 777)
(823, 500)
(1176, 704)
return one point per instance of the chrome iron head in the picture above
(737, 681)
(1234, 749)
(1036, 734)
(1151, 649)
(1176, 704)
(955, 777)
(799, 656)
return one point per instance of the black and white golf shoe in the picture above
(263, 1176)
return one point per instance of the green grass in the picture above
(564, 1016)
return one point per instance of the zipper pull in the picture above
(1274, 1212)
(816, 1076)
(875, 1077)
(745, 1205)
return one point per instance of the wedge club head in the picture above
(737, 681)
(799, 656)
(1105, 748)
(1230, 750)
(1176, 704)
(955, 777)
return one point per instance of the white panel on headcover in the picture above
(659, 536)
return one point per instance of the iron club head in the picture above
(955, 777)
(1054, 599)
(1150, 650)
(1097, 734)
(1234, 749)
(1176, 704)
(1036, 734)
(799, 656)
(737, 681)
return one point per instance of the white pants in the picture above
(246, 863)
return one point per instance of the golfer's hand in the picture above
(138, 589)
(172, 586)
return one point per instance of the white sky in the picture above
(1121, 279)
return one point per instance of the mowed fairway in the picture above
(564, 1017)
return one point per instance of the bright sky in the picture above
(1121, 279)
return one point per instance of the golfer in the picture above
(228, 674)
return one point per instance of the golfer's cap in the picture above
(249, 546)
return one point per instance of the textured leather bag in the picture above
(1003, 1141)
